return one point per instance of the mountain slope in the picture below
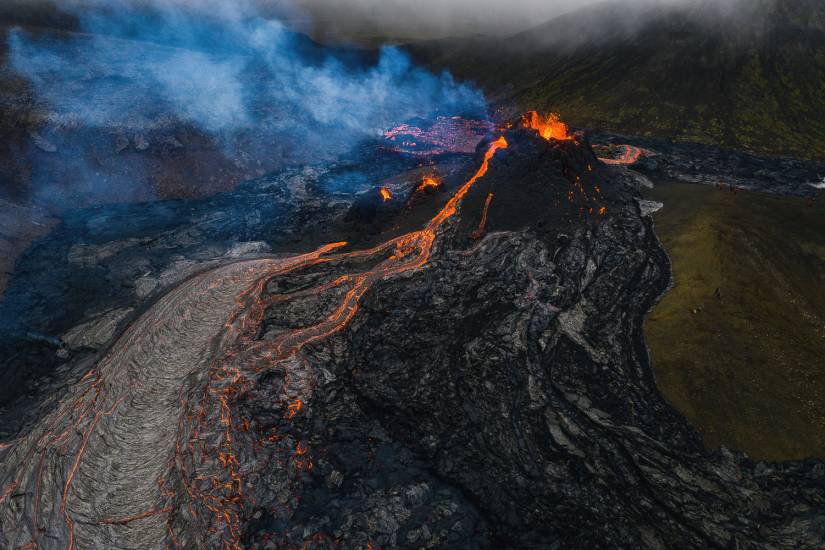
(752, 78)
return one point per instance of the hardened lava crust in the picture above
(473, 375)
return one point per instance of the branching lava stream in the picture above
(148, 449)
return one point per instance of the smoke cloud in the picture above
(236, 72)
(230, 69)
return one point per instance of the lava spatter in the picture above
(549, 125)
(428, 182)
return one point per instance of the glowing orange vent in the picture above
(549, 125)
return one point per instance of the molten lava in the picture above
(225, 502)
(385, 194)
(206, 480)
(444, 135)
(549, 126)
(428, 182)
(294, 408)
(629, 155)
(482, 225)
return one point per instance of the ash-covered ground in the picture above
(461, 374)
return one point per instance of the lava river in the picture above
(147, 450)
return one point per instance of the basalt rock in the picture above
(488, 388)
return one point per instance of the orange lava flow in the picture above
(385, 194)
(549, 126)
(477, 234)
(294, 408)
(630, 155)
(136, 517)
(206, 484)
(225, 500)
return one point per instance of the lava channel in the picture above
(147, 449)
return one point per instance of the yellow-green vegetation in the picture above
(746, 364)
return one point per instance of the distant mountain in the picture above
(751, 77)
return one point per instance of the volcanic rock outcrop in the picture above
(479, 381)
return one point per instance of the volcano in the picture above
(466, 370)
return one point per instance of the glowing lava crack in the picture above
(128, 459)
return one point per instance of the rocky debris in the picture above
(89, 255)
(498, 396)
(640, 181)
(647, 208)
(145, 286)
(97, 332)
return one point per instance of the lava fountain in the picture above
(549, 125)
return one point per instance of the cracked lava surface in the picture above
(128, 460)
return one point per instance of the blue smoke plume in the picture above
(227, 69)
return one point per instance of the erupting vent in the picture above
(549, 126)
(429, 182)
